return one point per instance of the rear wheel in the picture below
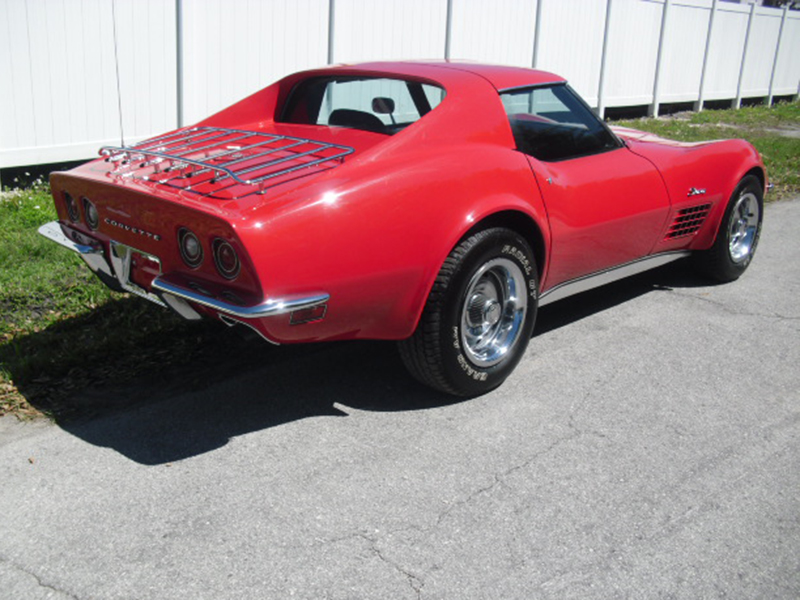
(479, 316)
(738, 233)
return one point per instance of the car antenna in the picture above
(116, 66)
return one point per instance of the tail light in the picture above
(90, 212)
(226, 259)
(190, 248)
(72, 207)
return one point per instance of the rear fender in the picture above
(378, 243)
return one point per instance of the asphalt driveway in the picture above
(647, 447)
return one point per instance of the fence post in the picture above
(536, 30)
(737, 103)
(331, 23)
(448, 32)
(653, 109)
(698, 106)
(601, 101)
(179, 60)
(777, 53)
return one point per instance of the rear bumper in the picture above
(113, 268)
(269, 308)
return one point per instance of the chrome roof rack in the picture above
(207, 160)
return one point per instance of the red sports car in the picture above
(433, 203)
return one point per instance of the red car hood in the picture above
(629, 134)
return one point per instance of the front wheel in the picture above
(479, 316)
(738, 234)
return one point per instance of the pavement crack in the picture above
(499, 479)
(414, 581)
(35, 577)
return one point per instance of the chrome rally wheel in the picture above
(493, 312)
(743, 227)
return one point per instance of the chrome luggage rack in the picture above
(207, 160)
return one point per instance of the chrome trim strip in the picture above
(530, 86)
(588, 282)
(52, 231)
(269, 308)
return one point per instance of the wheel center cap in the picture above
(491, 313)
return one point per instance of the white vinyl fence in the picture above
(77, 74)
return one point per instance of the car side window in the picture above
(552, 123)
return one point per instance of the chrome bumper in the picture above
(268, 308)
(114, 271)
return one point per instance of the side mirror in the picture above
(382, 106)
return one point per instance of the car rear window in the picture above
(378, 104)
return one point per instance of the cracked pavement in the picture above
(647, 446)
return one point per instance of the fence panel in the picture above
(787, 71)
(632, 52)
(177, 61)
(685, 40)
(760, 53)
(232, 48)
(390, 29)
(494, 31)
(571, 42)
(58, 62)
(725, 52)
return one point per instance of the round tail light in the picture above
(90, 211)
(190, 248)
(226, 259)
(72, 207)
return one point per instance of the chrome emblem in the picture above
(696, 192)
(136, 230)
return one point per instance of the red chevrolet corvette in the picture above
(433, 203)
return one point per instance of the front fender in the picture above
(715, 168)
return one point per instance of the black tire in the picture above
(738, 234)
(479, 316)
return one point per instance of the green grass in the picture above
(63, 330)
(38, 286)
(762, 126)
(785, 113)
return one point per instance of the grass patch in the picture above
(38, 286)
(769, 129)
(61, 329)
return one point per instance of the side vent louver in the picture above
(688, 221)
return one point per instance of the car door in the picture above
(606, 205)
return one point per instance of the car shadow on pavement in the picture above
(197, 408)
(173, 419)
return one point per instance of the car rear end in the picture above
(159, 220)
